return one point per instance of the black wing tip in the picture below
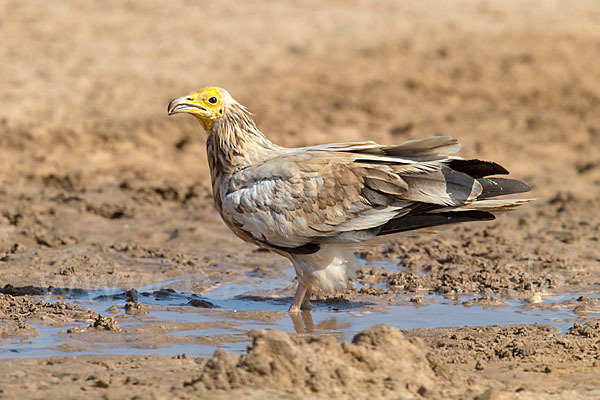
(426, 220)
(478, 168)
(470, 215)
(476, 214)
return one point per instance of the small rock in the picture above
(135, 307)
(105, 323)
(200, 303)
(585, 330)
(132, 295)
(535, 298)
(584, 299)
(113, 310)
(76, 329)
(101, 384)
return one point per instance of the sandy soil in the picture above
(99, 188)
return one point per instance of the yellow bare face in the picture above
(206, 104)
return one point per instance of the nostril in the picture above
(189, 99)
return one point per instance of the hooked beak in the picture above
(184, 105)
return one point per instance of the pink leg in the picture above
(298, 298)
(306, 302)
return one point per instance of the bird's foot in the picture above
(294, 309)
(298, 301)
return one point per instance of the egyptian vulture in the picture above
(317, 205)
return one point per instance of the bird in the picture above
(317, 206)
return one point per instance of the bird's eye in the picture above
(212, 100)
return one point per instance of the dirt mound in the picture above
(17, 313)
(591, 330)
(379, 361)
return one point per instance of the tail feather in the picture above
(492, 206)
(493, 187)
(426, 214)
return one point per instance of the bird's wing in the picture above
(412, 151)
(299, 197)
(339, 192)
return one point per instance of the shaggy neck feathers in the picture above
(234, 141)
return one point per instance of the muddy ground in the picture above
(100, 189)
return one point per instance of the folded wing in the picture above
(299, 199)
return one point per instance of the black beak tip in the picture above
(170, 107)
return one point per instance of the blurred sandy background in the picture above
(86, 83)
(98, 186)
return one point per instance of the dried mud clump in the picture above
(135, 307)
(105, 323)
(11, 290)
(379, 360)
(585, 330)
(21, 307)
(18, 312)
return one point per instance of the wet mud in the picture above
(118, 279)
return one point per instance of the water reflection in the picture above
(303, 322)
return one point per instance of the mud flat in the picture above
(118, 280)
(524, 361)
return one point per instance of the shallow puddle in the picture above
(179, 321)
